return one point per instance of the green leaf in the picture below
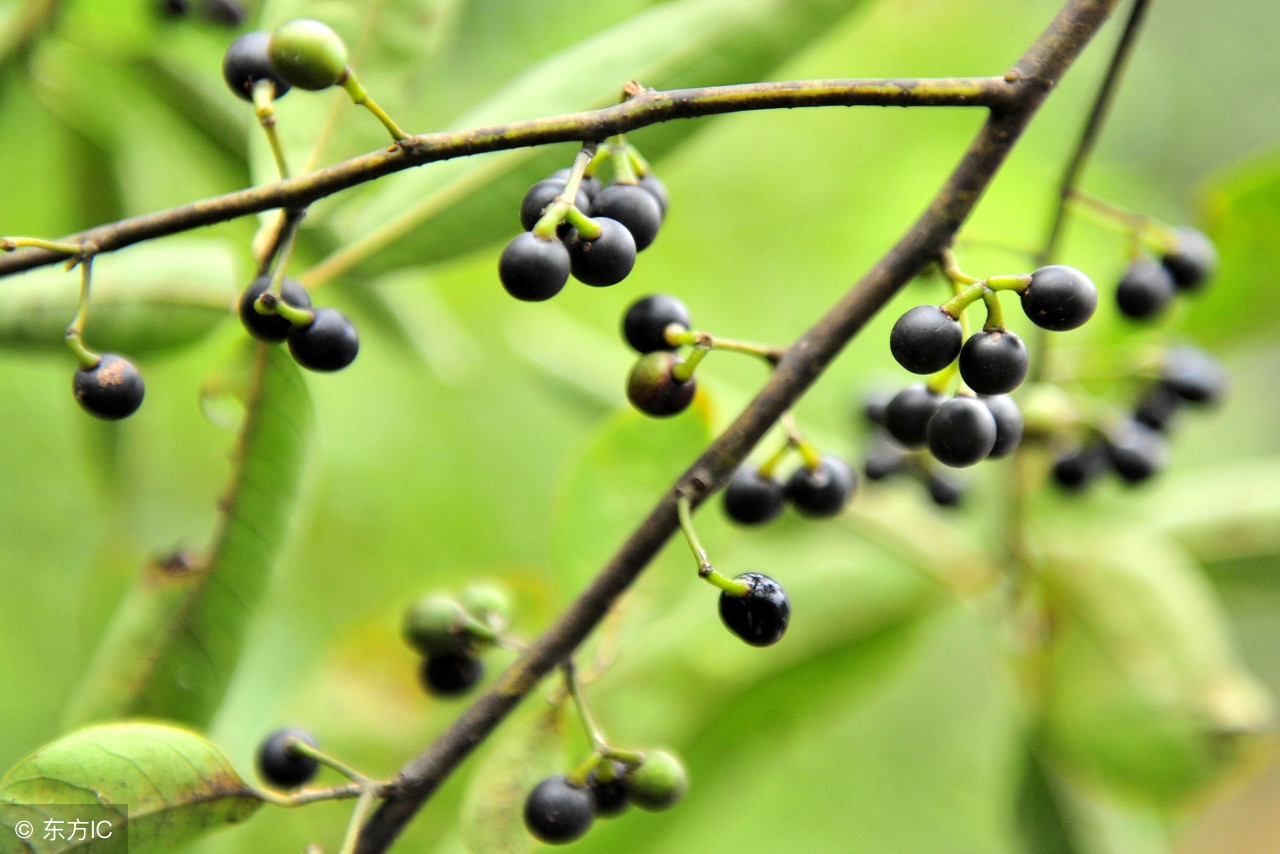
(174, 642)
(152, 297)
(176, 785)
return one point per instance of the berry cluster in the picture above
(754, 496)
(561, 809)
(1148, 286)
(449, 633)
(591, 231)
(320, 339)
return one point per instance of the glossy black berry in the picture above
(1078, 468)
(634, 207)
(307, 54)
(270, 327)
(944, 491)
(111, 390)
(646, 321)
(610, 797)
(759, 616)
(884, 461)
(1193, 375)
(1059, 298)
(962, 432)
(280, 765)
(994, 362)
(873, 407)
(541, 195)
(448, 674)
(557, 812)
(1145, 290)
(658, 190)
(606, 260)
(652, 389)
(750, 499)
(1008, 424)
(532, 269)
(246, 62)
(907, 414)
(1136, 452)
(1157, 406)
(1192, 259)
(328, 343)
(926, 339)
(823, 491)
(658, 783)
(590, 185)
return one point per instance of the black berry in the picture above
(541, 195)
(759, 616)
(1078, 468)
(1136, 451)
(907, 414)
(307, 54)
(226, 12)
(606, 260)
(611, 797)
(246, 62)
(270, 327)
(1192, 259)
(532, 269)
(658, 190)
(994, 362)
(557, 812)
(884, 460)
(1008, 424)
(1193, 375)
(1145, 290)
(646, 321)
(589, 185)
(943, 490)
(873, 407)
(1059, 298)
(653, 389)
(280, 765)
(111, 390)
(962, 432)
(448, 674)
(823, 491)
(926, 339)
(750, 499)
(327, 343)
(1157, 406)
(634, 207)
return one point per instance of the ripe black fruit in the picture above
(1136, 451)
(1193, 375)
(759, 616)
(926, 339)
(652, 389)
(270, 327)
(823, 491)
(750, 499)
(907, 414)
(1008, 424)
(962, 432)
(532, 269)
(994, 362)
(541, 195)
(658, 190)
(111, 390)
(945, 491)
(884, 460)
(1192, 259)
(280, 765)
(557, 812)
(1076, 469)
(873, 407)
(606, 260)
(634, 207)
(1157, 406)
(246, 62)
(1145, 290)
(646, 321)
(448, 674)
(611, 797)
(1059, 298)
(328, 343)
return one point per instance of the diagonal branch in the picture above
(1028, 83)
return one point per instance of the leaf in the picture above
(174, 642)
(528, 751)
(176, 785)
(152, 297)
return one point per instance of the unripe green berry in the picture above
(431, 625)
(307, 54)
(657, 783)
(489, 602)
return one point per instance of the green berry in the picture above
(487, 601)
(307, 54)
(431, 625)
(657, 783)
(653, 389)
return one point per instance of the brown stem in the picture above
(1029, 82)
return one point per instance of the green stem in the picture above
(578, 776)
(965, 298)
(768, 467)
(87, 359)
(576, 172)
(361, 98)
(300, 747)
(264, 93)
(706, 571)
(620, 159)
(289, 231)
(995, 315)
(682, 372)
(9, 244)
(677, 335)
(940, 383)
(626, 757)
(574, 687)
(358, 816)
(586, 227)
(310, 796)
(951, 269)
(269, 303)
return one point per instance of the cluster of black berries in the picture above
(559, 810)
(321, 339)
(280, 763)
(1149, 286)
(626, 216)
(449, 633)
(965, 429)
(1136, 448)
(654, 385)
(819, 491)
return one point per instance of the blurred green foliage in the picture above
(478, 437)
